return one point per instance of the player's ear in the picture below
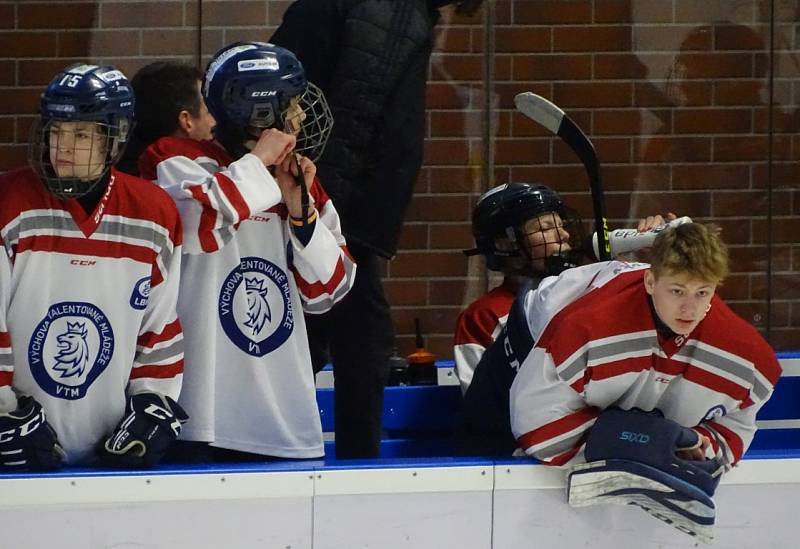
(185, 123)
(649, 281)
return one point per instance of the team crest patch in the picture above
(70, 348)
(716, 412)
(141, 293)
(255, 306)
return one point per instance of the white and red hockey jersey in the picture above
(245, 282)
(597, 346)
(478, 326)
(87, 303)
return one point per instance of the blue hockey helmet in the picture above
(82, 93)
(501, 214)
(251, 86)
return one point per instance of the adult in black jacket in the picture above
(370, 57)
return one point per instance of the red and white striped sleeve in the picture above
(732, 433)
(213, 197)
(323, 269)
(158, 360)
(8, 401)
(476, 328)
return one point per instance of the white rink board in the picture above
(415, 506)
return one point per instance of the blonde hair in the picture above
(693, 249)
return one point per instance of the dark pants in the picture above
(357, 336)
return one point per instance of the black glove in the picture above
(27, 441)
(150, 426)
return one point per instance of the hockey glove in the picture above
(150, 426)
(27, 441)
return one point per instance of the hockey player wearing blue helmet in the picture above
(263, 245)
(91, 354)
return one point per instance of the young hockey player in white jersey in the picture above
(526, 232)
(254, 259)
(651, 337)
(91, 350)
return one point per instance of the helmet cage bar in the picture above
(312, 115)
(48, 134)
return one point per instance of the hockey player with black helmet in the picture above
(263, 246)
(526, 232)
(91, 355)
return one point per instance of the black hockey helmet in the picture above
(501, 213)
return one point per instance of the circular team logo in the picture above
(70, 348)
(255, 306)
(140, 294)
(715, 413)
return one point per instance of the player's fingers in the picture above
(671, 216)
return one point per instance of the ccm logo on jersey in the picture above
(637, 438)
(83, 262)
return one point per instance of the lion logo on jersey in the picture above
(258, 312)
(73, 350)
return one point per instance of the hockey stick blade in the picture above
(552, 117)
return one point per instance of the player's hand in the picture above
(273, 146)
(698, 453)
(27, 441)
(653, 221)
(286, 174)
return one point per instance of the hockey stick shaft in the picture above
(552, 117)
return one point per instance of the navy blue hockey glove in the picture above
(151, 424)
(631, 459)
(27, 441)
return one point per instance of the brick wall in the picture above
(674, 93)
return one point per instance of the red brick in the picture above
(672, 149)
(522, 39)
(752, 147)
(693, 204)
(443, 151)
(454, 179)
(784, 286)
(783, 121)
(458, 292)
(413, 236)
(740, 37)
(19, 100)
(72, 15)
(169, 42)
(141, 15)
(592, 39)
(452, 236)
(438, 208)
(12, 156)
(116, 43)
(642, 177)
(755, 258)
(593, 94)
(552, 67)
(456, 123)
(737, 286)
(710, 176)
(672, 37)
(522, 151)
(785, 339)
(784, 229)
(562, 178)
(276, 9)
(617, 122)
(712, 121)
(739, 203)
(420, 264)
(7, 126)
(622, 11)
(609, 150)
(739, 92)
(406, 292)
(243, 13)
(691, 11)
(619, 66)
(7, 15)
(442, 95)
(460, 67)
(691, 94)
(552, 12)
(507, 91)
(27, 44)
(453, 40)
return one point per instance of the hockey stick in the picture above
(540, 110)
